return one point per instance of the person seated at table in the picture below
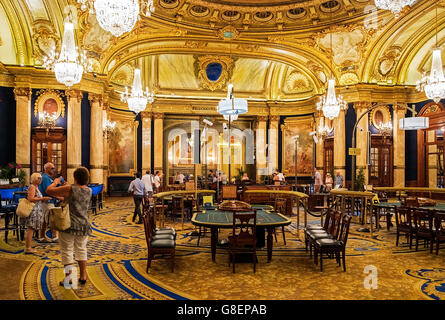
(328, 182)
(35, 219)
(179, 178)
(317, 182)
(245, 177)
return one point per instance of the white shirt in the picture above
(281, 176)
(180, 178)
(148, 182)
(157, 181)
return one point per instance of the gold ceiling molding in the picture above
(297, 82)
(386, 65)
(201, 66)
(45, 40)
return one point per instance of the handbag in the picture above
(59, 217)
(24, 208)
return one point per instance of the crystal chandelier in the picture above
(117, 16)
(231, 107)
(395, 6)
(47, 120)
(108, 127)
(138, 99)
(434, 83)
(68, 65)
(331, 104)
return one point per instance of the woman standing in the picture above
(35, 219)
(73, 241)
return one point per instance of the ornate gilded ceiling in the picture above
(273, 51)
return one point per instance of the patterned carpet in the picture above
(117, 261)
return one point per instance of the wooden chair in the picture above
(178, 208)
(424, 226)
(316, 227)
(404, 224)
(157, 244)
(331, 231)
(280, 206)
(243, 238)
(148, 209)
(439, 220)
(331, 246)
(228, 192)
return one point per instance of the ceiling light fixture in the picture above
(395, 6)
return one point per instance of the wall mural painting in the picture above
(301, 127)
(122, 148)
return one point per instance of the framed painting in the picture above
(122, 148)
(291, 129)
(51, 102)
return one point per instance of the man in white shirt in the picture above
(147, 179)
(179, 178)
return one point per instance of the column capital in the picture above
(400, 106)
(274, 118)
(95, 98)
(361, 106)
(157, 115)
(74, 94)
(22, 92)
(146, 114)
(261, 118)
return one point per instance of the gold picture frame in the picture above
(201, 64)
(380, 115)
(50, 101)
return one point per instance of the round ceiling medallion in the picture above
(330, 6)
(199, 11)
(231, 15)
(263, 16)
(296, 13)
(169, 4)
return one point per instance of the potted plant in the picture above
(360, 181)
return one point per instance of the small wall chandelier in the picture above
(231, 107)
(138, 99)
(434, 83)
(385, 128)
(68, 65)
(47, 120)
(396, 6)
(108, 127)
(324, 130)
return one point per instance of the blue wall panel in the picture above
(7, 125)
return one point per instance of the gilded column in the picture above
(319, 147)
(146, 140)
(74, 133)
(274, 124)
(361, 138)
(105, 147)
(398, 147)
(260, 155)
(158, 140)
(340, 144)
(23, 129)
(96, 139)
(432, 159)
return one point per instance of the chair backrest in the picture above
(245, 223)
(280, 205)
(177, 202)
(334, 223)
(229, 192)
(327, 218)
(403, 217)
(148, 228)
(439, 223)
(346, 222)
(423, 220)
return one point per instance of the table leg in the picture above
(269, 243)
(213, 241)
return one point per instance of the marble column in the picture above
(398, 147)
(158, 141)
(361, 138)
(23, 129)
(319, 147)
(260, 156)
(340, 144)
(274, 123)
(432, 159)
(146, 141)
(96, 139)
(74, 133)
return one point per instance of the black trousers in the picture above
(137, 207)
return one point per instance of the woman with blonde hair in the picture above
(74, 240)
(35, 219)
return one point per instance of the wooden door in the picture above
(328, 161)
(48, 147)
(381, 162)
